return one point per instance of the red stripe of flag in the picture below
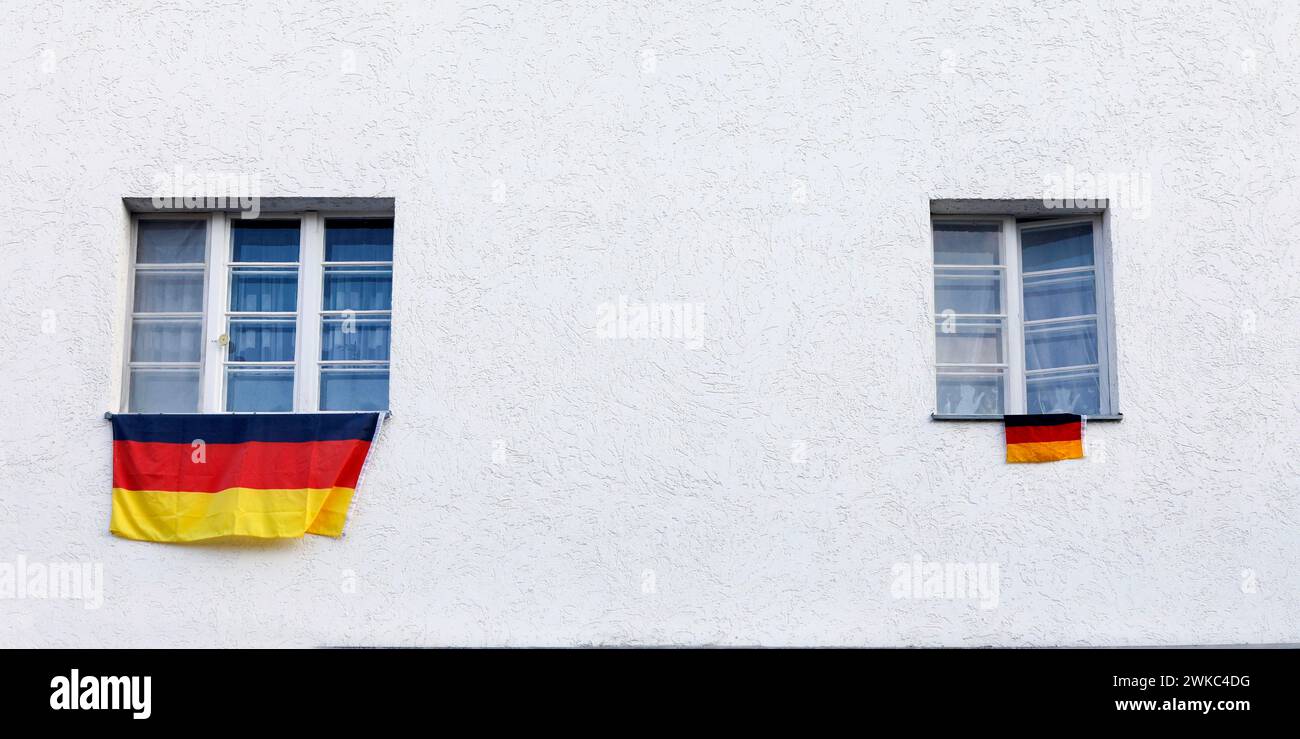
(139, 465)
(1032, 434)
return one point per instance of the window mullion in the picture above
(311, 276)
(215, 314)
(1014, 403)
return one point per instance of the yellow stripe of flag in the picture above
(161, 515)
(1045, 451)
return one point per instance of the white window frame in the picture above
(130, 316)
(218, 247)
(317, 307)
(1015, 394)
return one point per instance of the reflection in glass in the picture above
(169, 291)
(358, 288)
(264, 289)
(1060, 296)
(164, 390)
(1066, 344)
(967, 291)
(170, 242)
(968, 341)
(973, 392)
(1056, 247)
(359, 240)
(264, 241)
(355, 338)
(967, 243)
(166, 339)
(261, 340)
(259, 389)
(1069, 391)
(354, 388)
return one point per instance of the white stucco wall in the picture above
(773, 166)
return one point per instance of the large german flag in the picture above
(1044, 437)
(187, 477)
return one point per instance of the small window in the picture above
(1021, 318)
(277, 314)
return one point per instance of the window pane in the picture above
(170, 242)
(970, 393)
(359, 240)
(1067, 344)
(358, 288)
(1056, 247)
(967, 243)
(345, 388)
(1064, 392)
(355, 337)
(1060, 296)
(263, 289)
(169, 291)
(967, 291)
(164, 390)
(257, 340)
(968, 341)
(259, 389)
(166, 339)
(265, 241)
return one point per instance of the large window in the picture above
(276, 314)
(1021, 317)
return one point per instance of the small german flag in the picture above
(1044, 437)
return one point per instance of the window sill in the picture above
(108, 415)
(952, 417)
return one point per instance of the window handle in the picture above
(223, 339)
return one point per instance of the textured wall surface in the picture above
(768, 163)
